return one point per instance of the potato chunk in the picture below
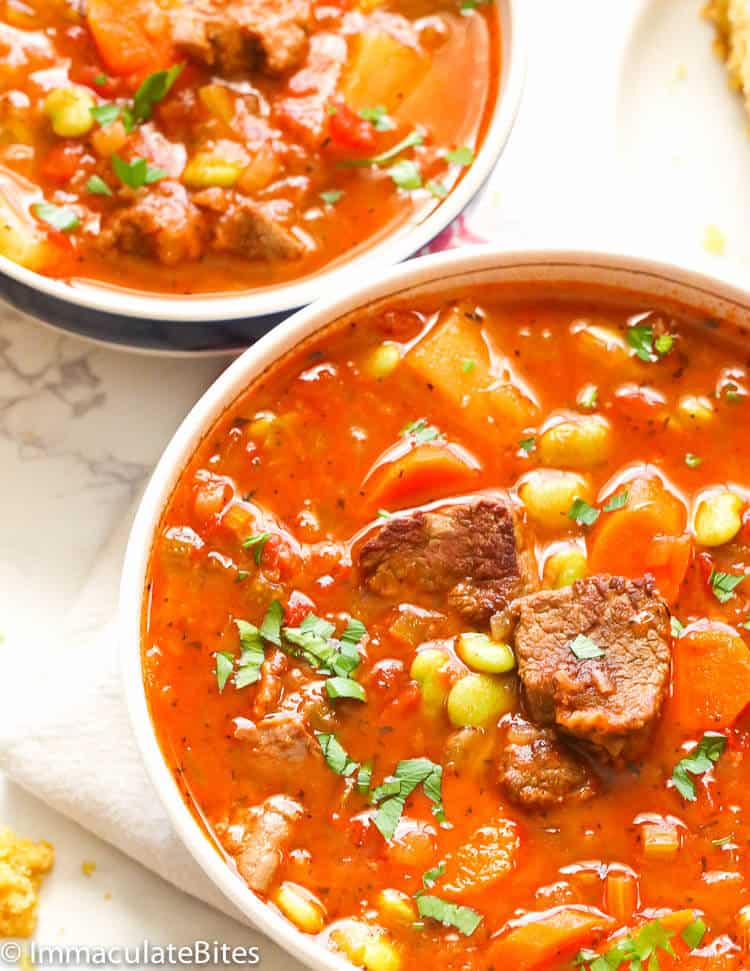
(454, 358)
(382, 71)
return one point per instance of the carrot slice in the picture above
(424, 472)
(711, 680)
(645, 536)
(122, 35)
(546, 935)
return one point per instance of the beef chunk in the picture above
(311, 89)
(249, 230)
(609, 701)
(258, 837)
(270, 685)
(475, 552)
(243, 36)
(279, 746)
(537, 771)
(161, 223)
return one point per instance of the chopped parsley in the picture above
(462, 156)
(97, 186)
(405, 174)
(252, 654)
(639, 950)
(746, 624)
(100, 79)
(256, 543)
(391, 796)
(153, 89)
(415, 137)
(702, 758)
(584, 648)
(616, 502)
(646, 347)
(335, 754)
(676, 626)
(378, 118)
(364, 777)
(421, 430)
(468, 6)
(464, 919)
(60, 218)
(732, 393)
(431, 877)
(692, 461)
(468, 365)
(106, 114)
(136, 173)
(354, 632)
(337, 687)
(583, 513)
(224, 667)
(331, 196)
(437, 189)
(588, 396)
(270, 629)
(384, 514)
(722, 840)
(723, 584)
(527, 444)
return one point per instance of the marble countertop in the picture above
(81, 426)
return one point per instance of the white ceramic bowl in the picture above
(476, 268)
(225, 323)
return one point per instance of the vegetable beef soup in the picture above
(194, 146)
(446, 636)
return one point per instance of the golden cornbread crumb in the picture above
(681, 73)
(732, 21)
(23, 864)
(88, 867)
(714, 240)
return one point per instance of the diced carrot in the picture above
(62, 161)
(621, 894)
(644, 536)
(421, 473)
(127, 37)
(541, 937)
(711, 680)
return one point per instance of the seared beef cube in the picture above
(611, 699)
(257, 837)
(475, 553)
(279, 747)
(538, 772)
(244, 36)
(248, 230)
(162, 223)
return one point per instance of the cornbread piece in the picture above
(23, 865)
(732, 21)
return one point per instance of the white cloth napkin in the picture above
(65, 733)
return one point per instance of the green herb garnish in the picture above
(331, 196)
(588, 396)
(584, 648)
(527, 444)
(421, 430)
(257, 544)
(136, 173)
(405, 175)
(224, 668)
(723, 584)
(462, 156)
(692, 461)
(378, 118)
(153, 89)
(97, 186)
(641, 339)
(464, 919)
(391, 796)
(616, 502)
(414, 138)
(583, 513)
(702, 758)
(335, 754)
(437, 189)
(60, 218)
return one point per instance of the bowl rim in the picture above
(425, 271)
(394, 247)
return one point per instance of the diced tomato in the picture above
(348, 130)
(62, 162)
(298, 607)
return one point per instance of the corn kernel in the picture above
(301, 907)
(548, 495)
(383, 360)
(564, 567)
(396, 906)
(69, 110)
(205, 170)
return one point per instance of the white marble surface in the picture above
(81, 426)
